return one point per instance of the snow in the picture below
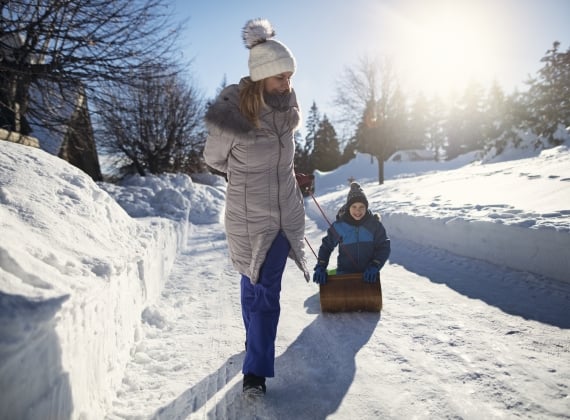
(119, 302)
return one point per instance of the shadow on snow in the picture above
(313, 374)
(514, 292)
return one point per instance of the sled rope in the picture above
(339, 238)
(321, 210)
(311, 248)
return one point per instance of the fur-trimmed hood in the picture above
(224, 112)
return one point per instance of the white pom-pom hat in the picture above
(267, 56)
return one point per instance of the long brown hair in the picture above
(251, 100)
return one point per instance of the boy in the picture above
(364, 245)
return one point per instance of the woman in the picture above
(250, 139)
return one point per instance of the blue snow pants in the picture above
(260, 310)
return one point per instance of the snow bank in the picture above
(174, 196)
(76, 272)
(541, 251)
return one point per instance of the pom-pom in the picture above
(257, 31)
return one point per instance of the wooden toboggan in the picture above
(349, 293)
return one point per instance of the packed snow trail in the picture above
(457, 338)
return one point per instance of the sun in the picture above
(440, 50)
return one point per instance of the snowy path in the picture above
(457, 338)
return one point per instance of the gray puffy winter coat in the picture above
(262, 193)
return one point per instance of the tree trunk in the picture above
(380, 160)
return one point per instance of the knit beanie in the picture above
(356, 195)
(267, 57)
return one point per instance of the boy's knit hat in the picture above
(267, 57)
(356, 195)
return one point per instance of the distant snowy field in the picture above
(80, 262)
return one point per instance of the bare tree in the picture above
(55, 48)
(157, 124)
(365, 97)
(355, 88)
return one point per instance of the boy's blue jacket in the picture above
(362, 243)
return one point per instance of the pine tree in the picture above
(419, 124)
(312, 125)
(465, 122)
(304, 147)
(436, 134)
(326, 154)
(301, 159)
(549, 95)
(497, 126)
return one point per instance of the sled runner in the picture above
(348, 293)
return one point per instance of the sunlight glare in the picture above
(441, 50)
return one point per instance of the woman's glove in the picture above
(371, 273)
(305, 181)
(320, 274)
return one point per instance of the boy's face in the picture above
(357, 210)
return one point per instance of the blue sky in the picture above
(437, 45)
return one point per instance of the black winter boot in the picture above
(253, 385)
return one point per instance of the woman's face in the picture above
(280, 83)
(357, 210)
